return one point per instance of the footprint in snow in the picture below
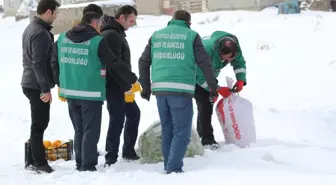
(332, 62)
(270, 158)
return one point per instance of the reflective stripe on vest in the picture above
(89, 94)
(240, 70)
(204, 85)
(173, 85)
(103, 72)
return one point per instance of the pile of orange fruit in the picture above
(51, 146)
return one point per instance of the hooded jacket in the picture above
(82, 33)
(114, 34)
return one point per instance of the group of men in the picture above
(91, 63)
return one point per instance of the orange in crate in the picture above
(54, 150)
(56, 143)
(46, 144)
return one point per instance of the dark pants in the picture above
(176, 114)
(39, 122)
(205, 110)
(86, 119)
(118, 109)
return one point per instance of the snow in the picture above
(100, 3)
(25, 7)
(291, 84)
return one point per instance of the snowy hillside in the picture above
(291, 73)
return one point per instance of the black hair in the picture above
(228, 45)
(45, 5)
(89, 17)
(126, 10)
(182, 15)
(93, 8)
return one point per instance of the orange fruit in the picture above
(50, 150)
(53, 157)
(46, 144)
(57, 143)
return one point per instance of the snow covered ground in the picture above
(292, 86)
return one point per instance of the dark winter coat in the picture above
(37, 48)
(82, 33)
(114, 33)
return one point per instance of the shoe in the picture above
(90, 169)
(110, 158)
(29, 167)
(133, 157)
(166, 172)
(130, 155)
(44, 168)
(210, 143)
(109, 163)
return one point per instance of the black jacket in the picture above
(114, 33)
(82, 33)
(37, 47)
(201, 59)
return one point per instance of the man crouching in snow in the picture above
(80, 64)
(172, 52)
(223, 48)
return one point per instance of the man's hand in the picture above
(224, 91)
(145, 94)
(238, 86)
(46, 97)
(213, 96)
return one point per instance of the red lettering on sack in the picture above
(221, 111)
(233, 118)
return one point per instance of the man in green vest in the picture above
(173, 54)
(79, 67)
(223, 49)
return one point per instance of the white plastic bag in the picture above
(236, 118)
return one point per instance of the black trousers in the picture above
(86, 117)
(118, 109)
(39, 122)
(205, 110)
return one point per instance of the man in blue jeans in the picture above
(173, 53)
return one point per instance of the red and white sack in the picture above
(236, 118)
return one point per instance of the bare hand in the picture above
(46, 97)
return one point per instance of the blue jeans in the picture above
(176, 114)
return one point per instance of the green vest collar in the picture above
(179, 23)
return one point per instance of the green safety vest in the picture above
(82, 74)
(211, 45)
(173, 62)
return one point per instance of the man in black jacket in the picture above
(87, 132)
(113, 30)
(37, 78)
